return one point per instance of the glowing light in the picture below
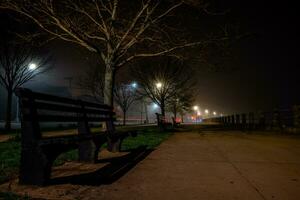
(195, 108)
(32, 66)
(206, 111)
(158, 85)
(134, 85)
(154, 106)
(198, 113)
(214, 113)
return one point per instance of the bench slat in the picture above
(70, 139)
(61, 118)
(72, 109)
(21, 92)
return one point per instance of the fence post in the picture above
(237, 121)
(296, 116)
(251, 120)
(232, 121)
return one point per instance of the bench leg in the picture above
(88, 151)
(35, 167)
(114, 145)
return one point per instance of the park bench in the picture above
(38, 152)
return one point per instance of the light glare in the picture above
(158, 85)
(32, 66)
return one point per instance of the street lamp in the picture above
(214, 113)
(195, 108)
(154, 106)
(158, 85)
(32, 66)
(206, 111)
(198, 113)
(134, 85)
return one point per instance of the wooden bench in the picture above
(38, 153)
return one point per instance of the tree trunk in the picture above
(124, 118)
(162, 108)
(8, 110)
(109, 82)
(182, 118)
(175, 112)
(146, 112)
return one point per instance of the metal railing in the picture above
(278, 119)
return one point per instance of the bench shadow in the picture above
(117, 167)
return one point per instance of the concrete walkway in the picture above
(215, 166)
(208, 166)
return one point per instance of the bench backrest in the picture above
(38, 107)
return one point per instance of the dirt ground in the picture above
(4, 138)
(207, 165)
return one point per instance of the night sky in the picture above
(262, 76)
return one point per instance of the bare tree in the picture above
(118, 31)
(164, 82)
(19, 64)
(181, 103)
(92, 82)
(125, 95)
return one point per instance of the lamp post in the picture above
(198, 113)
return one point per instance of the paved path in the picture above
(216, 166)
(208, 166)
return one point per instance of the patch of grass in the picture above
(9, 159)
(149, 137)
(12, 196)
(67, 156)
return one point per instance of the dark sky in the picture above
(267, 66)
(265, 72)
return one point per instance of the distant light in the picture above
(206, 111)
(214, 113)
(134, 85)
(221, 115)
(154, 106)
(158, 85)
(195, 108)
(32, 66)
(198, 113)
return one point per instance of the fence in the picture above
(278, 119)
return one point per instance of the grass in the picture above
(9, 159)
(18, 131)
(10, 150)
(149, 137)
